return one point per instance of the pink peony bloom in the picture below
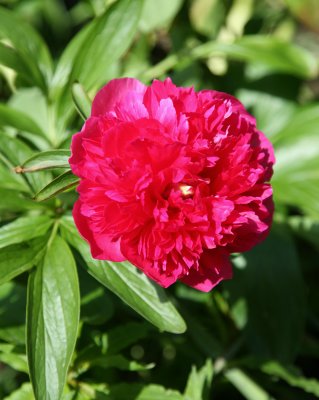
(171, 180)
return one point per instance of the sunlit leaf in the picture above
(24, 229)
(129, 284)
(155, 17)
(275, 54)
(52, 320)
(63, 182)
(46, 160)
(81, 100)
(31, 51)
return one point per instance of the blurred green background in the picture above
(255, 337)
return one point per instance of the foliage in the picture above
(86, 329)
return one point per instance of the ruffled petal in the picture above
(102, 245)
(214, 267)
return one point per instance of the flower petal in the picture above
(112, 93)
(214, 267)
(102, 246)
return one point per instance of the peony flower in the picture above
(171, 180)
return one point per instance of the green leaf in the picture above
(12, 304)
(46, 160)
(117, 338)
(18, 258)
(24, 229)
(269, 283)
(207, 16)
(31, 101)
(111, 343)
(13, 201)
(269, 51)
(13, 334)
(94, 50)
(63, 182)
(264, 106)
(81, 100)
(52, 320)
(296, 178)
(155, 17)
(8, 178)
(120, 362)
(31, 51)
(16, 151)
(126, 391)
(132, 286)
(199, 382)
(246, 386)
(305, 227)
(292, 378)
(306, 11)
(23, 393)
(15, 361)
(19, 120)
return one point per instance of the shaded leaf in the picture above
(120, 362)
(306, 384)
(127, 391)
(269, 283)
(306, 228)
(246, 386)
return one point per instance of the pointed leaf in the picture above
(95, 49)
(52, 320)
(60, 184)
(81, 100)
(46, 160)
(127, 282)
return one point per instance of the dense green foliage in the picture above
(74, 328)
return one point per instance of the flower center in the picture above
(186, 190)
